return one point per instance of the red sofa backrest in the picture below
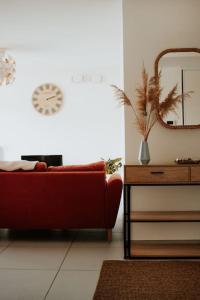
(96, 166)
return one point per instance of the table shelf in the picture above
(167, 249)
(165, 216)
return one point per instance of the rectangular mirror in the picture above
(181, 66)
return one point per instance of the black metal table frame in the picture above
(127, 220)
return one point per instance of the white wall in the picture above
(151, 26)
(52, 41)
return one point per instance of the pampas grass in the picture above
(148, 103)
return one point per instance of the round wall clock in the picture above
(47, 99)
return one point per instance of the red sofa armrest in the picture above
(113, 197)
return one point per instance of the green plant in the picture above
(112, 165)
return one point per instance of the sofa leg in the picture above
(109, 235)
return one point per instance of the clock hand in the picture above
(48, 98)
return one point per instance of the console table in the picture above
(159, 175)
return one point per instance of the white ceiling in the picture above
(59, 26)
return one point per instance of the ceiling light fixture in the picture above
(7, 68)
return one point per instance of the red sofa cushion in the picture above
(40, 167)
(96, 166)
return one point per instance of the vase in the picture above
(144, 157)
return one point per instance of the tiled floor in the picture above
(54, 265)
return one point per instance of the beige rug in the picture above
(149, 280)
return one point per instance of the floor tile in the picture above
(90, 258)
(32, 258)
(40, 244)
(74, 285)
(4, 243)
(40, 235)
(91, 234)
(24, 284)
(4, 233)
(119, 224)
(4, 240)
(36, 238)
(1, 251)
(90, 239)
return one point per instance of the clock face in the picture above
(47, 99)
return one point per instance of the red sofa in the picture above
(60, 198)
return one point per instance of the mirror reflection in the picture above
(183, 69)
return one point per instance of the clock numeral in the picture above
(53, 110)
(40, 110)
(58, 93)
(46, 112)
(58, 105)
(53, 87)
(35, 99)
(47, 86)
(36, 105)
(59, 99)
(41, 88)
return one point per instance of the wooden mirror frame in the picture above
(171, 50)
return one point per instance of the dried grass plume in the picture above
(148, 103)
